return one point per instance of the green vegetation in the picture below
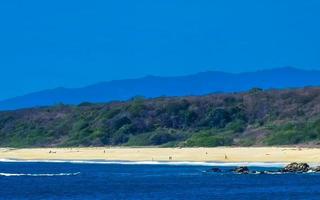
(294, 133)
(274, 117)
(207, 139)
(159, 137)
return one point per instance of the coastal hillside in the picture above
(252, 118)
(153, 86)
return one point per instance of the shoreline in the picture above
(182, 163)
(165, 155)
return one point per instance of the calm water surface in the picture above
(28, 180)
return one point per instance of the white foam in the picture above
(221, 164)
(59, 174)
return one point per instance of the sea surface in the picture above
(99, 180)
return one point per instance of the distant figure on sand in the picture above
(170, 158)
(225, 157)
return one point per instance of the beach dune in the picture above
(219, 154)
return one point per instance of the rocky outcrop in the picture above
(290, 168)
(297, 167)
(215, 169)
(316, 169)
(241, 170)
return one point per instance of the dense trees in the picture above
(258, 117)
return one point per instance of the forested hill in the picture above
(257, 117)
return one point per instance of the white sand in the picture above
(220, 154)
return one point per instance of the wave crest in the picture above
(59, 174)
(183, 163)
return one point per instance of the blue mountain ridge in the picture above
(155, 86)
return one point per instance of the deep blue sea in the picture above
(41, 180)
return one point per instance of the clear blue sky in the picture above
(71, 43)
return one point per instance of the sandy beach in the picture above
(221, 154)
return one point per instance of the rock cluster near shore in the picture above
(300, 167)
(290, 168)
(296, 167)
(241, 170)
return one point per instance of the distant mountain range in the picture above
(154, 86)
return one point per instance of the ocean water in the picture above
(98, 180)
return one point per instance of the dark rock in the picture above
(316, 169)
(215, 169)
(296, 167)
(241, 170)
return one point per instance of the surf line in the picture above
(59, 174)
(186, 163)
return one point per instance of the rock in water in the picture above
(241, 170)
(216, 170)
(316, 169)
(297, 167)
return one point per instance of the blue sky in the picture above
(72, 43)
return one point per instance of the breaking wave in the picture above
(218, 164)
(59, 174)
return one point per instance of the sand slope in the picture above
(221, 154)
